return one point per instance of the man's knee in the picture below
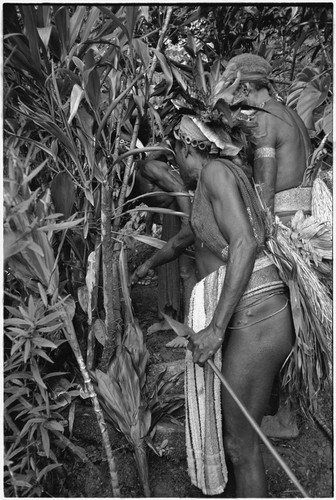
(241, 450)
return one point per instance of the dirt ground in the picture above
(309, 456)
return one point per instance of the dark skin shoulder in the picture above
(155, 175)
(282, 130)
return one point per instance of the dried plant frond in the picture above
(308, 367)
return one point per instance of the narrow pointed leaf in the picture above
(166, 70)
(179, 328)
(76, 23)
(149, 240)
(142, 50)
(77, 94)
(131, 17)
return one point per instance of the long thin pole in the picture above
(257, 429)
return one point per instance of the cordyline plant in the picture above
(33, 329)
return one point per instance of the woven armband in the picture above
(264, 153)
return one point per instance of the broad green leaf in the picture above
(69, 306)
(89, 23)
(45, 342)
(76, 23)
(116, 19)
(79, 63)
(180, 78)
(307, 102)
(87, 144)
(77, 94)
(179, 328)
(29, 18)
(115, 78)
(44, 33)
(63, 193)
(83, 297)
(13, 244)
(93, 88)
(142, 50)
(131, 17)
(99, 331)
(166, 70)
(140, 102)
(61, 16)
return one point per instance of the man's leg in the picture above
(251, 359)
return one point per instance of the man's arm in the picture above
(230, 214)
(170, 251)
(265, 166)
(159, 173)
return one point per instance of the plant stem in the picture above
(160, 42)
(142, 465)
(122, 196)
(107, 258)
(70, 334)
(92, 304)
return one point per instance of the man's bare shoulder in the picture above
(215, 175)
(153, 168)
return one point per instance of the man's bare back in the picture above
(283, 130)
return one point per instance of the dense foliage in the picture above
(80, 82)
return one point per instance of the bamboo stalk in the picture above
(70, 335)
(92, 304)
(107, 261)
(257, 429)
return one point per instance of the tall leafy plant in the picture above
(34, 322)
(75, 76)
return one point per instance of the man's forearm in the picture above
(239, 270)
(264, 173)
(172, 249)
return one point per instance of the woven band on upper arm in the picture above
(264, 153)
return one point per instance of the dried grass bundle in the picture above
(308, 367)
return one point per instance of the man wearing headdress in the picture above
(281, 152)
(279, 138)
